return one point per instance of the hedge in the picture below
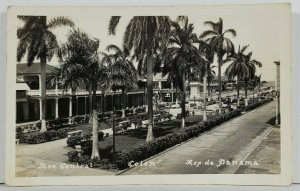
(257, 104)
(38, 137)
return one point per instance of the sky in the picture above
(256, 26)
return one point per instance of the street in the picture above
(222, 149)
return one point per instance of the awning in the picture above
(22, 86)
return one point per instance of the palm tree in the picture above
(81, 65)
(37, 40)
(207, 51)
(251, 64)
(237, 68)
(122, 71)
(182, 57)
(210, 77)
(253, 83)
(221, 44)
(144, 36)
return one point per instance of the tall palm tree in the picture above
(208, 52)
(221, 44)
(210, 77)
(122, 71)
(251, 64)
(81, 65)
(144, 36)
(237, 68)
(37, 40)
(182, 56)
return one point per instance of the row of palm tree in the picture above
(153, 42)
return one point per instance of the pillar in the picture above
(56, 89)
(36, 110)
(77, 105)
(40, 103)
(56, 108)
(70, 109)
(40, 83)
(159, 85)
(26, 110)
(172, 88)
(277, 91)
(85, 105)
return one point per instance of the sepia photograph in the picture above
(121, 93)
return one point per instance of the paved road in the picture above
(234, 141)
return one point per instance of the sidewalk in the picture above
(52, 154)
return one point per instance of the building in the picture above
(62, 103)
(68, 103)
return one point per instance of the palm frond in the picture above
(60, 21)
(112, 26)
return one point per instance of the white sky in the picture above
(257, 26)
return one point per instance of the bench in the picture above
(74, 133)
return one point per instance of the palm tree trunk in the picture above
(204, 96)
(149, 98)
(90, 89)
(183, 101)
(123, 102)
(94, 116)
(209, 91)
(90, 96)
(43, 94)
(220, 85)
(238, 92)
(95, 148)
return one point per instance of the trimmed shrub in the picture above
(256, 104)
(73, 156)
(38, 137)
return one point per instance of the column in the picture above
(77, 103)
(85, 105)
(36, 110)
(40, 103)
(56, 89)
(40, 83)
(70, 109)
(56, 108)
(172, 89)
(26, 110)
(159, 85)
